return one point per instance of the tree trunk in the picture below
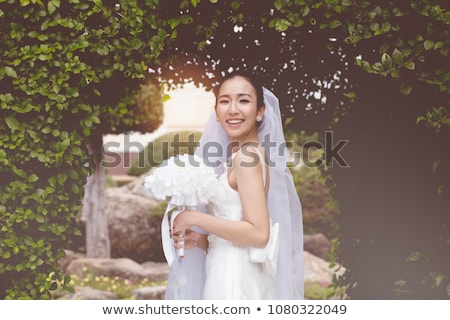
(93, 213)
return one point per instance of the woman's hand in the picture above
(190, 239)
(183, 236)
(182, 222)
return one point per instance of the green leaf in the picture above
(378, 66)
(278, 5)
(11, 72)
(12, 123)
(420, 119)
(33, 178)
(375, 26)
(281, 24)
(414, 256)
(428, 44)
(186, 19)
(438, 279)
(62, 177)
(395, 73)
(405, 89)
(51, 7)
(397, 56)
(173, 23)
(77, 151)
(435, 165)
(235, 5)
(335, 24)
(20, 172)
(410, 65)
(75, 189)
(95, 119)
(438, 45)
(386, 59)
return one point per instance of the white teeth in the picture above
(234, 121)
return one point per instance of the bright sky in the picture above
(187, 108)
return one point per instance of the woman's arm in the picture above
(254, 229)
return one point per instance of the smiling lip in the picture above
(235, 122)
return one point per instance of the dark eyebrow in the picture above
(239, 95)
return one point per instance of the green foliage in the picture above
(320, 209)
(162, 148)
(436, 118)
(401, 47)
(69, 70)
(299, 48)
(317, 291)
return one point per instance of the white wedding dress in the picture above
(230, 274)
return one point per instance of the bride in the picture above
(253, 237)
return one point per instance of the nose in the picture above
(233, 107)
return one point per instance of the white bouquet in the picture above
(185, 181)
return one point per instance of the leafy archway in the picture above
(70, 69)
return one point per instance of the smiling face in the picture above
(237, 110)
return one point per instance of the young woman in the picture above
(255, 237)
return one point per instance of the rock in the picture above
(316, 270)
(156, 270)
(133, 232)
(319, 270)
(68, 258)
(86, 293)
(317, 244)
(136, 186)
(122, 267)
(149, 293)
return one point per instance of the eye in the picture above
(244, 101)
(223, 101)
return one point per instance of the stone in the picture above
(86, 293)
(121, 267)
(317, 244)
(133, 232)
(149, 293)
(318, 270)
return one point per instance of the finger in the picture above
(179, 244)
(177, 239)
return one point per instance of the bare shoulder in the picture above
(249, 157)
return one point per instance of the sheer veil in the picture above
(283, 202)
